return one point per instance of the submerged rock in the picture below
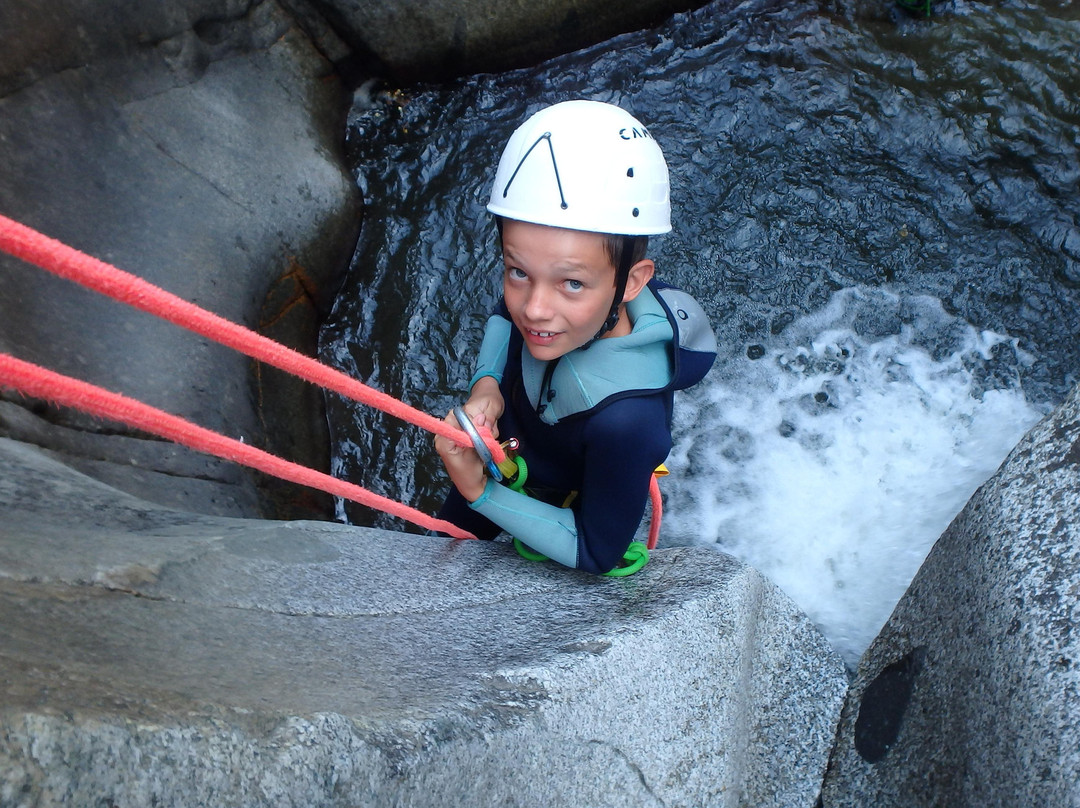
(152, 656)
(422, 40)
(969, 694)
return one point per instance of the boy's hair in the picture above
(613, 246)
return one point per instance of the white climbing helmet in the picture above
(584, 165)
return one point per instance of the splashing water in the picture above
(833, 461)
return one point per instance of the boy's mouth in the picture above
(539, 339)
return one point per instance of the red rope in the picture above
(66, 262)
(59, 259)
(657, 512)
(39, 382)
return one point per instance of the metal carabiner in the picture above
(486, 457)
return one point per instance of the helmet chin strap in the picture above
(622, 275)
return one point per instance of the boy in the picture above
(580, 361)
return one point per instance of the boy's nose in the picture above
(538, 304)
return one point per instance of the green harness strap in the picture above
(635, 557)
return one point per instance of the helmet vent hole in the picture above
(636, 212)
(630, 171)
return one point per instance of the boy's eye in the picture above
(515, 273)
(574, 286)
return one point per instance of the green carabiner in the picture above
(635, 557)
(527, 552)
(518, 483)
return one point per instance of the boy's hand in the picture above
(463, 465)
(485, 405)
(466, 469)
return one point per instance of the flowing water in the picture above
(881, 214)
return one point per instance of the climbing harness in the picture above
(514, 472)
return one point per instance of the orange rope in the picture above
(66, 262)
(55, 257)
(39, 382)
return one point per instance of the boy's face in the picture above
(558, 285)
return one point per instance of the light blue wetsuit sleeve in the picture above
(491, 361)
(545, 528)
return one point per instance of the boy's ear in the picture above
(640, 274)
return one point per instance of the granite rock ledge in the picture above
(968, 696)
(153, 656)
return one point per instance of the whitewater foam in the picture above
(834, 460)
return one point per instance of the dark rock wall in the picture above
(197, 146)
(419, 39)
